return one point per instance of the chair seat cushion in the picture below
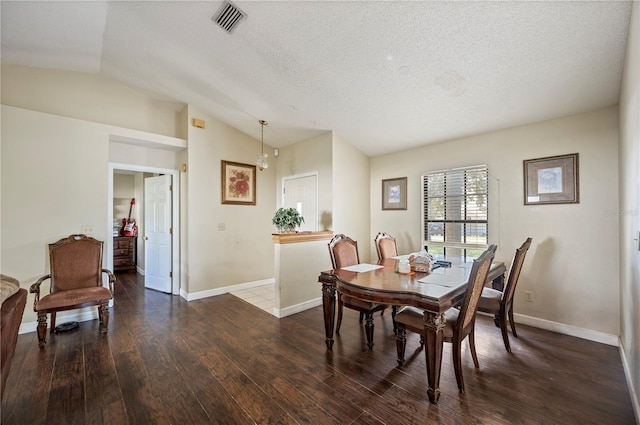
(413, 319)
(490, 300)
(73, 298)
(358, 303)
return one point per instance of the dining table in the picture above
(443, 287)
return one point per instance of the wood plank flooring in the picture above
(221, 360)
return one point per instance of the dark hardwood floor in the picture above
(221, 360)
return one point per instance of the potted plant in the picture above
(287, 219)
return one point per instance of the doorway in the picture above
(301, 192)
(171, 254)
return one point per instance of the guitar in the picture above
(129, 228)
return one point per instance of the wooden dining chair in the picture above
(459, 323)
(385, 246)
(344, 252)
(76, 282)
(500, 303)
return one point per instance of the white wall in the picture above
(572, 267)
(87, 97)
(629, 210)
(243, 251)
(313, 155)
(351, 195)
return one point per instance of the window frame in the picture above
(427, 240)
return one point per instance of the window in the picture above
(455, 211)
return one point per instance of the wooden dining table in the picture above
(433, 292)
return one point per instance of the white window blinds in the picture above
(455, 211)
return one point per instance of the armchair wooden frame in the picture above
(500, 303)
(458, 323)
(76, 282)
(385, 246)
(344, 252)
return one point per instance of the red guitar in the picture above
(129, 228)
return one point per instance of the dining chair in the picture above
(459, 323)
(500, 303)
(344, 252)
(76, 282)
(385, 246)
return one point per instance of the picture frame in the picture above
(394, 194)
(238, 183)
(552, 180)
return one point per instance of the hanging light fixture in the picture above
(262, 158)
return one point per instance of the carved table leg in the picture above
(329, 308)
(434, 333)
(368, 328)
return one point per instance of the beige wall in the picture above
(87, 97)
(629, 211)
(574, 256)
(243, 251)
(351, 195)
(313, 155)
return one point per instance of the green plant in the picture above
(287, 219)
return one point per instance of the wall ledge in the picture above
(285, 238)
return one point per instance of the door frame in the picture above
(175, 216)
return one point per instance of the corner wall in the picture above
(574, 255)
(629, 210)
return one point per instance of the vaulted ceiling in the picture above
(385, 76)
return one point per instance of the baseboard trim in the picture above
(61, 317)
(627, 373)
(280, 313)
(223, 290)
(561, 328)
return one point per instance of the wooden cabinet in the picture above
(124, 253)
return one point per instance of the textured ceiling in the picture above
(385, 76)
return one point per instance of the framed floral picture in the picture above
(238, 183)
(394, 194)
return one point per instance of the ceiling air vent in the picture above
(228, 16)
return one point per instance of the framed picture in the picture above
(238, 183)
(551, 180)
(394, 194)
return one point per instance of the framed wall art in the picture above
(552, 180)
(238, 183)
(394, 194)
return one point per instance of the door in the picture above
(301, 192)
(157, 229)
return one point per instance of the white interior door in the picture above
(157, 233)
(301, 193)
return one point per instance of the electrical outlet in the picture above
(221, 226)
(528, 296)
(87, 229)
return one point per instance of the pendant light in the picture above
(262, 158)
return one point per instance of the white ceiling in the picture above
(385, 76)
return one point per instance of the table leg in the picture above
(434, 333)
(329, 309)
(498, 283)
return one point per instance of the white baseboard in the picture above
(561, 328)
(62, 317)
(223, 290)
(297, 308)
(632, 391)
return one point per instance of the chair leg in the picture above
(42, 329)
(401, 343)
(421, 341)
(361, 317)
(368, 328)
(513, 324)
(472, 348)
(394, 311)
(504, 331)
(457, 364)
(53, 322)
(339, 320)
(103, 312)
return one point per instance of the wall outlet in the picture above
(222, 226)
(87, 229)
(528, 296)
